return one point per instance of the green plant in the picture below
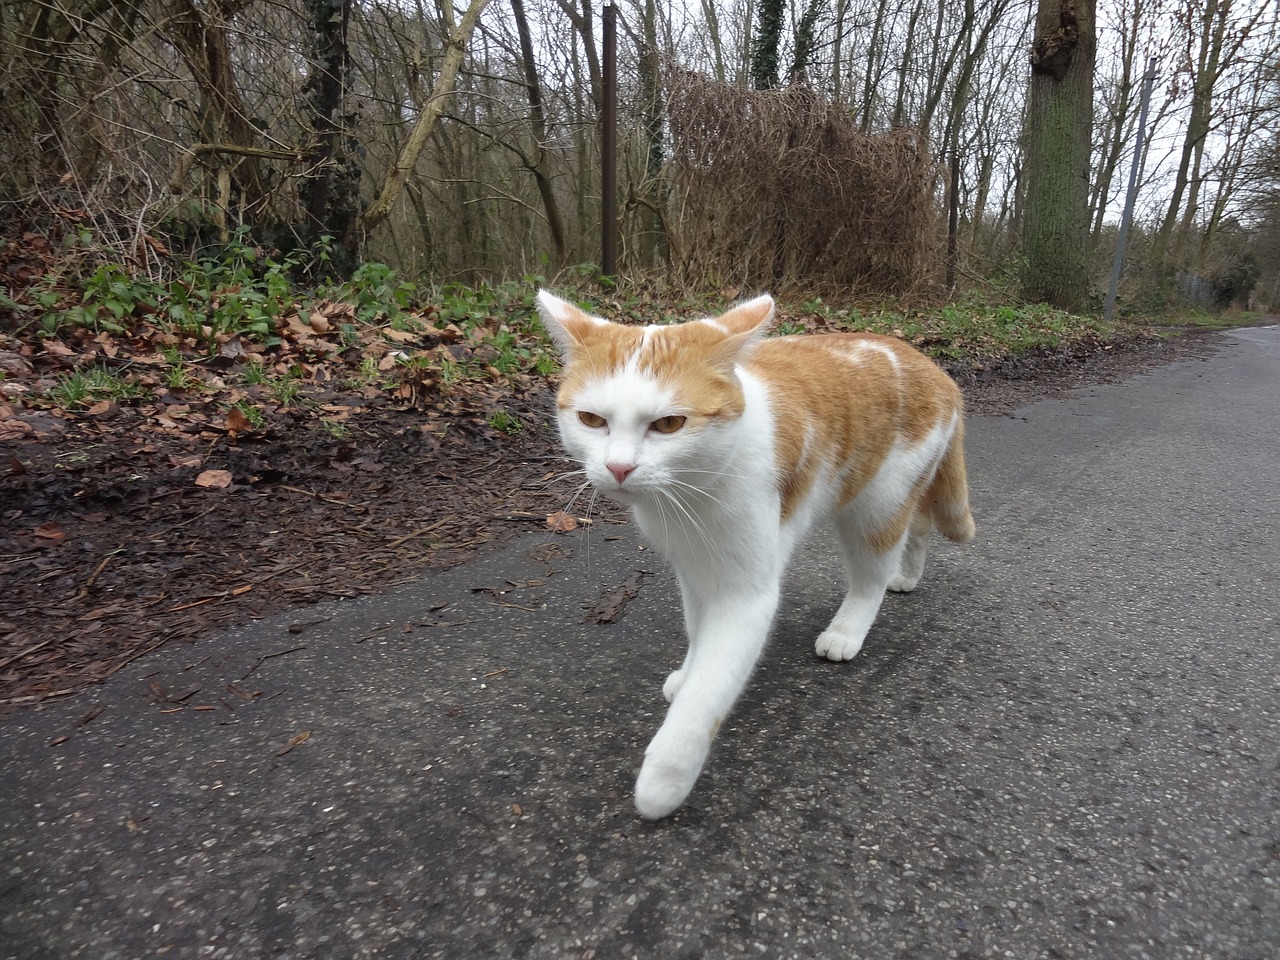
(504, 422)
(84, 387)
(376, 292)
(466, 306)
(284, 390)
(546, 363)
(252, 413)
(254, 373)
(177, 377)
(336, 429)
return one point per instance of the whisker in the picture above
(690, 516)
(710, 473)
(699, 491)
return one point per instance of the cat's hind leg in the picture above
(911, 564)
(870, 566)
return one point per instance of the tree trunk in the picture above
(1221, 39)
(1057, 141)
(380, 209)
(871, 82)
(331, 193)
(764, 49)
(538, 121)
(203, 44)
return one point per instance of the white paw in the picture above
(836, 643)
(903, 584)
(672, 763)
(674, 682)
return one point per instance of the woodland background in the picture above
(802, 144)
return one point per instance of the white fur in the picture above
(708, 500)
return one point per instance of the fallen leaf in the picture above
(233, 349)
(50, 531)
(561, 522)
(11, 430)
(400, 336)
(103, 408)
(57, 348)
(237, 422)
(214, 479)
(319, 322)
(608, 609)
(294, 741)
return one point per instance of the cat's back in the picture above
(840, 403)
(833, 372)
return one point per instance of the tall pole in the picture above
(609, 148)
(953, 221)
(1117, 265)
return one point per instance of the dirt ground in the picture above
(120, 532)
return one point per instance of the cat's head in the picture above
(645, 409)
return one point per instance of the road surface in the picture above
(1064, 744)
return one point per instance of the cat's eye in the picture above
(668, 424)
(589, 419)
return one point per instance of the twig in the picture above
(37, 697)
(22, 653)
(235, 592)
(141, 653)
(94, 576)
(267, 656)
(417, 533)
(318, 496)
(503, 603)
(197, 516)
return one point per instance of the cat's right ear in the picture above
(569, 326)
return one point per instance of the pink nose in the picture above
(620, 471)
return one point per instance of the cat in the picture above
(727, 447)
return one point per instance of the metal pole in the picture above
(953, 221)
(609, 148)
(1126, 218)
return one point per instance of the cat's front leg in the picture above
(689, 599)
(721, 656)
(674, 681)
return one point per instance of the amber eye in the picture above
(668, 424)
(591, 419)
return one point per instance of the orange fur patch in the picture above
(845, 399)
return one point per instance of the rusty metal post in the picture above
(609, 148)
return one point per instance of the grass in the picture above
(456, 333)
(1176, 323)
(83, 388)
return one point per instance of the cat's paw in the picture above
(903, 583)
(674, 682)
(838, 644)
(672, 763)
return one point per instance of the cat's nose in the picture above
(620, 470)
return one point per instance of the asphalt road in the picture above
(1065, 743)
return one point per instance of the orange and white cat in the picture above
(728, 447)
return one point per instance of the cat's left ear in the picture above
(746, 324)
(569, 326)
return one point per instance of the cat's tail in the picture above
(948, 495)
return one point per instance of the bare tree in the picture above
(1057, 144)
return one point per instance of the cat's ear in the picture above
(569, 327)
(744, 326)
